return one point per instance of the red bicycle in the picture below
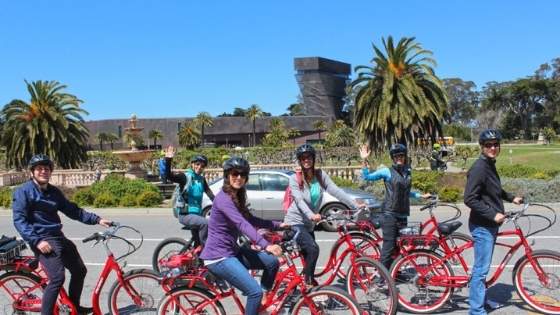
(23, 281)
(426, 279)
(368, 241)
(289, 295)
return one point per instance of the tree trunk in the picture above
(254, 138)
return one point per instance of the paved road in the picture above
(157, 224)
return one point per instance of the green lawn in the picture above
(540, 156)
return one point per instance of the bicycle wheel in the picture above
(414, 275)
(537, 280)
(141, 296)
(190, 301)
(167, 248)
(456, 240)
(370, 284)
(20, 293)
(365, 244)
(326, 300)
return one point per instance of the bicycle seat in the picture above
(449, 227)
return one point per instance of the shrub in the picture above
(6, 197)
(128, 200)
(537, 190)
(341, 182)
(83, 197)
(450, 194)
(426, 181)
(105, 200)
(524, 171)
(149, 199)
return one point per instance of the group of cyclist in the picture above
(36, 205)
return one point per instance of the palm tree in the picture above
(111, 137)
(399, 98)
(155, 134)
(319, 126)
(51, 123)
(189, 136)
(101, 137)
(254, 112)
(203, 119)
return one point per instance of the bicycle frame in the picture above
(462, 281)
(111, 265)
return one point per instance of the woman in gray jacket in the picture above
(307, 190)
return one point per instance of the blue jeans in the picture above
(484, 240)
(235, 271)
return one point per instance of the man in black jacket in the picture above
(484, 195)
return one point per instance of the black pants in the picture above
(310, 251)
(63, 255)
(390, 226)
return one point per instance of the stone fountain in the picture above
(134, 157)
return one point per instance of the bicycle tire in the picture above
(378, 294)
(167, 248)
(145, 283)
(367, 247)
(328, 297)
(455, 240)
(546, 301)
(406, 279)
(194, 297)
(14, 285)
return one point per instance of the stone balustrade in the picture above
(78, 178)
(68, 178)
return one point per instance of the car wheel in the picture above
(206, 212)
(331, 209)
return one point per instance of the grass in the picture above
(539, 156)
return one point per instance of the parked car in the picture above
(265, 193)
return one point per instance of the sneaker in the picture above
(311, 283)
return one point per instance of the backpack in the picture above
(179, 202)
(288, 199)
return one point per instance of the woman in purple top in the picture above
(229, 218)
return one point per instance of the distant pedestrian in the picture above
(97, 174)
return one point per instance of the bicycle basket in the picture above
(10, 250)
(412, 228)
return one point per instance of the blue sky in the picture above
(177, 58)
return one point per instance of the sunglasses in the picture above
(237, 174)
(306, 157)
(492, 145)
(397, 156)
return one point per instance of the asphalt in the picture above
(158, 223)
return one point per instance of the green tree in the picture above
(101, 137)
(111, 138)
(293, 133)
(203, 119)
(189, 136)
(278, 134)
(254, 112)
(296, 109)
(320, 126)
(549, 134)
(156, 135)
(399, 98)
(463, 101)
(522, 98)
(340, 135)
(51, 123)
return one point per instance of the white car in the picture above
(265, 193)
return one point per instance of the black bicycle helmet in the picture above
(489, 134)
(200, 158)
(40, 159)
(397, 148)
(305, 148)
(236, 163)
